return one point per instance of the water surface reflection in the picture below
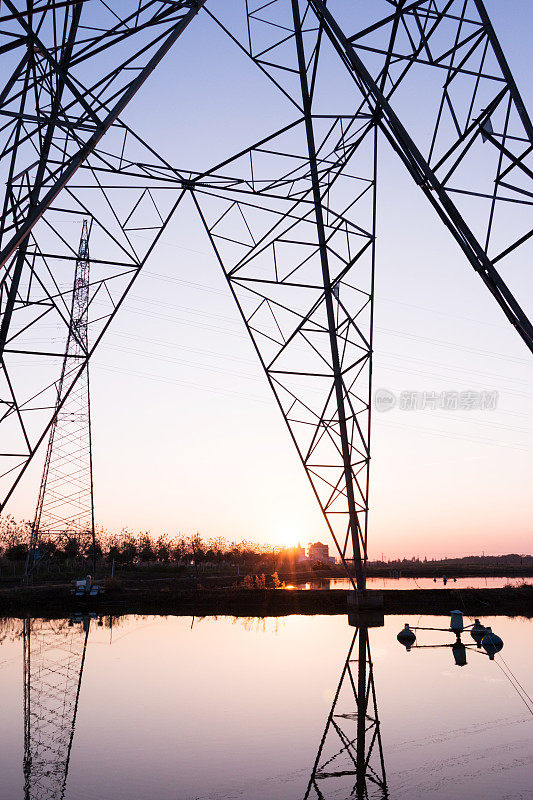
(350, 760)
(418, 583)
(297, 708)
(54, 656)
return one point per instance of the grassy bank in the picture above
(165, 597)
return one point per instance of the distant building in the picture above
(320, 552)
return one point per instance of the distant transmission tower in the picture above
(65, 505)
(54, 656)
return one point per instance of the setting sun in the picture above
(287, 535)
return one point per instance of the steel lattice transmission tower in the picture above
(65, 507)
(54, 657)
(350, 761)
(291, 216)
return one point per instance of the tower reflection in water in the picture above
(54, 655)
(350, 762)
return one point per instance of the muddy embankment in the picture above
(167, 597)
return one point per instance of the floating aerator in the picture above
(477, 632)
(491, 643)
(406, 637)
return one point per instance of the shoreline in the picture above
(56, 601)
(150, 576)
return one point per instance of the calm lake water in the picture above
(418, 583)
(177, 708)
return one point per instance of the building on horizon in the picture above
(320, 552)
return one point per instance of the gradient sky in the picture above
(186, 434)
